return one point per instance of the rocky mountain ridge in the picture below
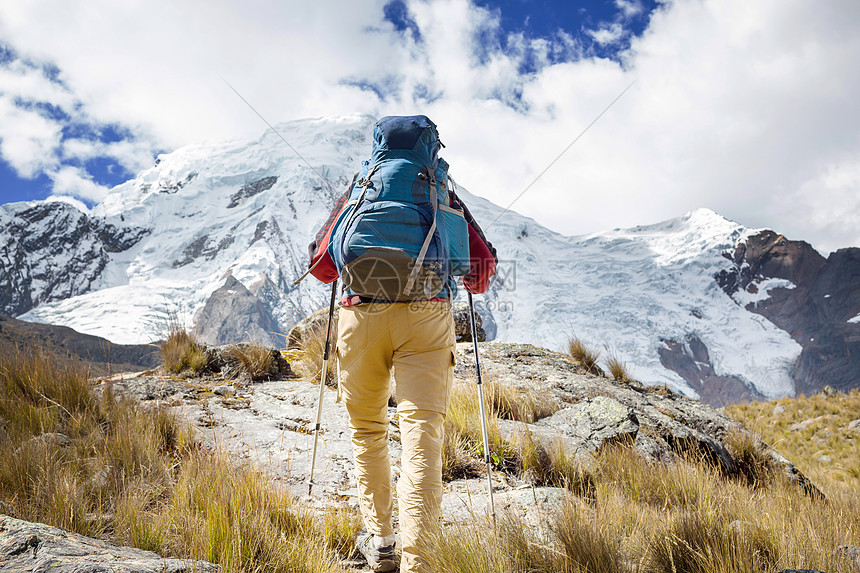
(817, 306)
(100, 355)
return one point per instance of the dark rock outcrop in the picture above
(462, 326)
(26, 546)
(816, 312)
(252, 189)
(233, 314)
(53, 251)
(691, 360)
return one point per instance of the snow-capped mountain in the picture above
(218, 232)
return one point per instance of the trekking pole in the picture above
(484, 433)
(322, 382)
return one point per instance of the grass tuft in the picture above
(342, 526)
(587, 544)
(703, 544)
(618, 369)
(551, 465)
(307, 358)
(520, 405)
(481, 545)
(463, 447)
(256, 359)
(584, 355)
(181, 352)
(752, 463)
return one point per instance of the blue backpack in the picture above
(398, 238)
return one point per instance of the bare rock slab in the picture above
(590, 424)
(26, 546)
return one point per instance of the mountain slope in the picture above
(101, 356)
(217, 232)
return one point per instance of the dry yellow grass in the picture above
(584, 355)
(628, 514)
(181, 352)
(256, 359)
(139, 477)
(463, 449)
(307, 358)
(827, 435)
(649, 517)
(521, 405)
(617, 369)
(107, 467)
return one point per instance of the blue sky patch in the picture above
(397, 13)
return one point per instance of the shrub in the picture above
(584, 356)
(256, 359)
(181, 352)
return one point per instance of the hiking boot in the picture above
(378, 558)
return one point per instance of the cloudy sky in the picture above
(748, 108)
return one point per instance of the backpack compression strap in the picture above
(419, 262)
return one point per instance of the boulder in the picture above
(849, 553)
(589, 425)
(26, 546)
(462, 326)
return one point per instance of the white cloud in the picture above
(839, 183)
(75, 182)
(29, 83)
(629, 8)
(743, 107)
(134, 155)
(76, 203)
(27, 139)
(607, 35)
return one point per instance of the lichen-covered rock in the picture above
(26, 546)
(462, 326)
(533, 505)
(590, 424)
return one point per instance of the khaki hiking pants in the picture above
(416, 340)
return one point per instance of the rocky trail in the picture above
(270, 423)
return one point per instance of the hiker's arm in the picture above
(483, 263)
(481, 253)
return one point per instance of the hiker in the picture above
(397, 238)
